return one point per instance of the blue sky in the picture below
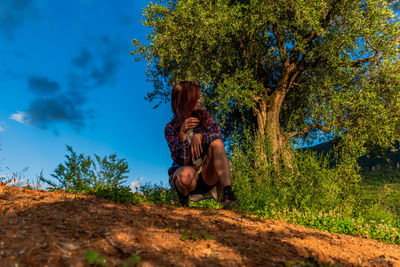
(67, 78)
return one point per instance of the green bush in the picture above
(316, 193)
(158, 194)
(81, 174)
(103, 177)
(310, 183)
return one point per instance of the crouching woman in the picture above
(200, 163)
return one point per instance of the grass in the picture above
(381, 189)
(376, 214)
(388, 232)
(194, 235)
(94, 259)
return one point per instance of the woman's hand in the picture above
(196, 147)
(188, 124)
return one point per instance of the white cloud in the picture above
(20, 117)
(2, 129)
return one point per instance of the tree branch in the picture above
(359, 62)
(280, 40)
(326, 129)
(327, 22)
(294, 57)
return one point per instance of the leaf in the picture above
(135, 259)
(183, 237)
(101, 261)
(91, 256)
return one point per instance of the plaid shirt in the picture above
(180, 151)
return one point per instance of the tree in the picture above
(289, 69)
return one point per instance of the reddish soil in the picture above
(39, 228)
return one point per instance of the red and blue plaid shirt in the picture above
(180, 151)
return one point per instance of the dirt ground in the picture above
(39, 228)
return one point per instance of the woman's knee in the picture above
(186, 176)
(217, 143)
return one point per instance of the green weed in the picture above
(133, 261)
(207, 203)
(94, 258)
(158, 194)
(194, 235)
(335, 222)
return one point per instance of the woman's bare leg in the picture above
(216, 167)
(186, 179)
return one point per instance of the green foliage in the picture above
(385, 175)
(158, 194)
(316, 194)
(81, 174)
(310, 205)
(334, 64)
(329, 70)
(119, 194)
(133, 261)
(103, 177)
(94, 259)
(194, 235)
(379, 195)
(336, 222)
(312, 184)
(206, 203)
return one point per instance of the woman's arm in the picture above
(210, 132)
(180, 150)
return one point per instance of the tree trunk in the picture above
(271, 144)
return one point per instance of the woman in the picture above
(200, 163)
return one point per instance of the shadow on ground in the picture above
(41, 228)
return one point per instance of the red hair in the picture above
(184, 98)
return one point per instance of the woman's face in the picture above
(198, 103)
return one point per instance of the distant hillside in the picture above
(376, 160)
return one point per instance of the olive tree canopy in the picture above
(288, 69)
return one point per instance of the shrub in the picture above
(316, 193)
(81, 174)
(103, 177)
(158, 194)
(312, 182)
